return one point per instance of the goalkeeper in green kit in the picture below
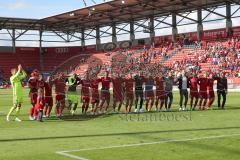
(16, 82)
(72, 82)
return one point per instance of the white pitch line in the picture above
(66, 153)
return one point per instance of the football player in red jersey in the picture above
(149, 94)
(203, 83)
(128, 87)
(60, 91)
(48, 97)
(194, 94)
(38, 112)
(41, 82)
(117, 92)
(211, 96)
(85, 93)
(105, 94)
(33, 85)
(95, 93)
(160, 94)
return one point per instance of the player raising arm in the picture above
(16, 82)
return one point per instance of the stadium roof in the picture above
(105, 14)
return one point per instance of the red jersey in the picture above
(40, 102)
(33, 84)
(106, 83)
(193, 83)
(48, 89)
(41, 84)
(210, 85)
(129, 85)
(94, 86)
(203, 82)
(117, 85)
(60, 86)
(159, 84)
(85, 87)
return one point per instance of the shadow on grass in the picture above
(116, 134)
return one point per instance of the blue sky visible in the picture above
(39, 8)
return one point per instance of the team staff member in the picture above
(183, 85)
(222, 90)
(139, 81)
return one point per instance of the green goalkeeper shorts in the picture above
(17, 99)
(72, 97)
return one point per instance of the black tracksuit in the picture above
(222, 87)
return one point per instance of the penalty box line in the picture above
(67, 153)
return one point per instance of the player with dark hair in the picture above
(128, 88)
(38, 111)
(194, 94)
(72, 82)
(48, 97)
(211, 96)
(85, 92)
(183, 85)
(222, 89)
(169, 81)
(16, 82)
(139, 81)
(105, 94)
(160, 91)
(95, 93)
(60, 89)
(149, 94)
(203, 83)
(117, 92)
(33, 93)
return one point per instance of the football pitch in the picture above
(211, 134)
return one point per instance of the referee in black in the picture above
(222, 90)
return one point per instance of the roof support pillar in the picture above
(151, 27)
(228, 18)
(174, 27)
(114, 33)
(83, 37)
(132, 34)
(13, 41)
(98, 40)
(41, 50)
(199, 25)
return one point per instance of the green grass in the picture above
(36, 141)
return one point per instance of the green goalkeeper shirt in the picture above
(16, 82)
